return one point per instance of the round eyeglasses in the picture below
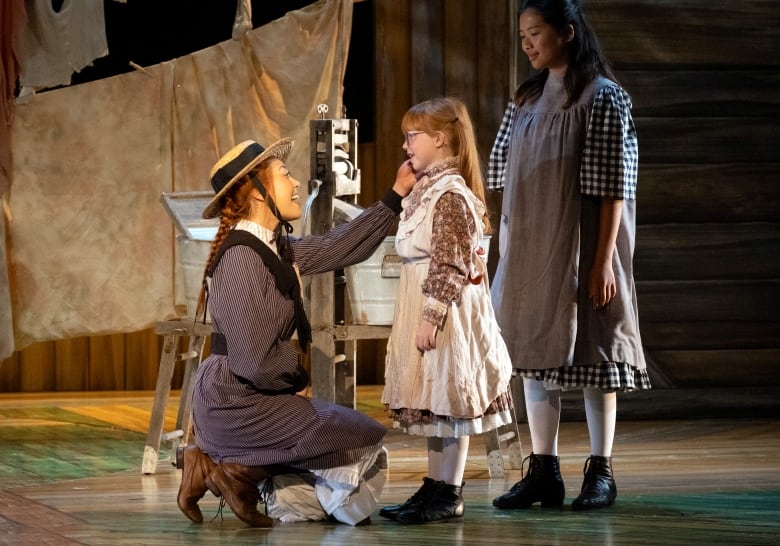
(409, 135)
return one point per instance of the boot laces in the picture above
(265, 492)
(219, 510)
(591, 480)
(533, 467)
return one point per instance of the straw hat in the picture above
(237, 162)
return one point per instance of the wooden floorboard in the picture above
(70, 474)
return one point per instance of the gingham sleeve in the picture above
(497, 161)
(611, 154)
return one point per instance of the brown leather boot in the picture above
(196, 466)
(238, 485)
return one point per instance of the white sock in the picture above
(543, 407)
(601, 413)
(435, 449)
(453, 461)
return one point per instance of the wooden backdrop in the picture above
(705, 82)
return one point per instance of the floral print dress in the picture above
(462, 386)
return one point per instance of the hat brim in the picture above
(279, 149)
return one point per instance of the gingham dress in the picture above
(553, 165)
(244, 406)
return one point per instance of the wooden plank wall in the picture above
(705, 82)
(706, 107)
(434, 47)
(97, 363)
(426, 48)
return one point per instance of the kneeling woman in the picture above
(250, 423)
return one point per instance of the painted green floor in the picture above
(67, 477)
(51, 444)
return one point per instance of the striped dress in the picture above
(244, 407)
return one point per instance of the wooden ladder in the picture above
(172, 331)
(508, 435)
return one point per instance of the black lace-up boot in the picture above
(391, 512)
(543, 483)
(444, 503)
(598, 487)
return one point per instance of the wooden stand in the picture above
(172, 331)
(332, 357)
(508, 435)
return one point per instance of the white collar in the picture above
(262, 233)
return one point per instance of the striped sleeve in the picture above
(496, 167)
(611, 153)
(346, 244)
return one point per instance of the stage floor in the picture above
(70, 474)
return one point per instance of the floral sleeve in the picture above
(450, 263)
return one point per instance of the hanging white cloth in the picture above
(55, 44)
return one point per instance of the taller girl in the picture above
(566, 158)
(448, 370)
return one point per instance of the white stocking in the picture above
(435, 448)
(453, 461)
(544, 413)
(601, 413)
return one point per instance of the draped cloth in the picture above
(13, 16)
(91, 249)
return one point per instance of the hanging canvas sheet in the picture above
(91, 249)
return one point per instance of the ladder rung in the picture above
(186, 356)
(168, 436)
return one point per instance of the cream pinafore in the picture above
(470, 367)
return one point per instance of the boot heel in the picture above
(179, 462)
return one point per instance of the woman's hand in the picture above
(426, 336)
(601, 285)
(405, 179)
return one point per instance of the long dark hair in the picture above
(586, 61)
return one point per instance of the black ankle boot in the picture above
(598, 487)
(543, 483)
(445, 503)
(421, 496)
